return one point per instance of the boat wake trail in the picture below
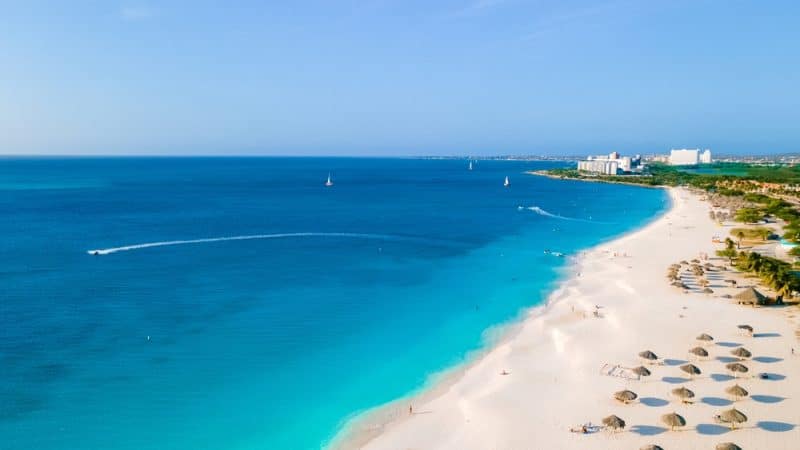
(388, 237)
(544, 213)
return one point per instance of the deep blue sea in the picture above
(347, 297)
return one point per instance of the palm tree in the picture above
(739, 235)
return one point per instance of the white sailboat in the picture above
(470, 165)
(329, 183)
(506, 183)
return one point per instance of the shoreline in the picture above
(558, 351)
(544, 173)
(363, 427)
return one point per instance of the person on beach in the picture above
(410, 410)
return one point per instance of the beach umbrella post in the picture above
(737, 368)
(737, 392)
(683, 394)
(691, 369)
(673, 420)
(733, 417)
(625, 396)
(648, 356)
(741, 353)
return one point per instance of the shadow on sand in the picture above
(766, 335)
(716, 401)
(767, 398)
(647, 430)
(767, 359)
(653, 401)
(775, 427)
(721, 377)
(711, 429)
(674, 362)
(729, 344)
(675, 380)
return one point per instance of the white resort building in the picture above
(689, 157)
(611, 164)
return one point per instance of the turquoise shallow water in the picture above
(369, 287)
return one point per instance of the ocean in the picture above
(264, 309)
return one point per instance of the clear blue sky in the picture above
(399, 77)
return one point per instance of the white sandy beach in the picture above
(554, 361)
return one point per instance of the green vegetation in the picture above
(749, 215)
(729, 251)
(718, 180)
(773, 272)
(755, 233)
(665, 175)
(747, 193)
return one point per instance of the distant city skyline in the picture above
(392, 78)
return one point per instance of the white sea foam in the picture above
(544, 213)
(108, 251)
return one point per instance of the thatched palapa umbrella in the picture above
(648, 355)
(708, 291)
(732, 416)
(642, 371)
(699, 351)
(651, 447)
(705, 338)
(751, 296)
(737, 368)
(625, 396)
(727, 446)
(737, 391)
(673, 420)
(691, 369)
(741, 353)
(614, 422)
(683, 393)
(746, 327)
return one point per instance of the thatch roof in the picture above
(614, 422)
(651, 447)
(691, 369)
(683, 393)
(727, 446)
(732, 416)
(673, 420)
(751, 296)
(647, 354)
(737, 367)
(705, 337)
(745, 327)
(741, 352)
(625, 396)
(737, 391)
(699, 351)
(642, 371)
